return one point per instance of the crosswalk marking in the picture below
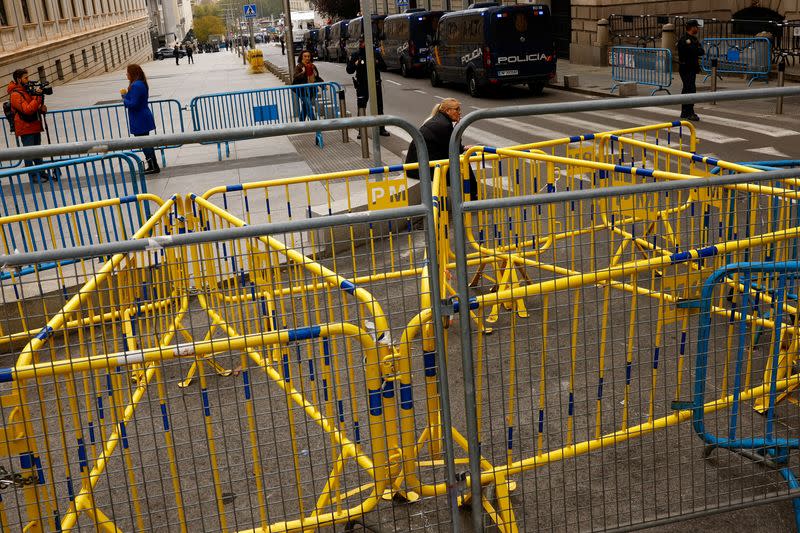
(528, 129)
(472, 136)
(768, 150)
(770, 131)
(702, 134)
(399, 132)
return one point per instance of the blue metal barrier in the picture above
(764, 290)
(740, 55)
(645, 66)
(101, 122)
(79, 180)
(276, 105)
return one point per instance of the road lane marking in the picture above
(420, 92)
(439, 97)
(768, 150)
(392, 81)
(770, 131)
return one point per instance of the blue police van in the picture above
(334, 50)
(489, 45)
(406, 38)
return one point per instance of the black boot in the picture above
(152, 167)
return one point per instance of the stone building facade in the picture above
(586, 13)
(59, 40)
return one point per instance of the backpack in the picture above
(9, 112)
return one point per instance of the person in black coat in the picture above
(436, 131)
(357, 64)
(689, 52)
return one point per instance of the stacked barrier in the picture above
(216, 374)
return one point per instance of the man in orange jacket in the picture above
(28, 106)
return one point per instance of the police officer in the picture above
(357, 64)
(689, 53)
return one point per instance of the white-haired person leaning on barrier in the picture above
(436, 131)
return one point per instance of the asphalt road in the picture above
(734, 131)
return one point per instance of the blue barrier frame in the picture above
(273, 105)
(756, 50)
(104, 122)
(644, 66)
(771, 448)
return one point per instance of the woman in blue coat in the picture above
(140, 117)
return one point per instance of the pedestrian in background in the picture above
(357, 64)
(177, 52)
(306, 72)
(140, 118)
(689, 53)
(283, 46)
(189, 53)
(436, 131)
(28, 106)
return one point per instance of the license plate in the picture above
(507, 72)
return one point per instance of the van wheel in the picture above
(473, 88)
(436, 81)
(404, 70)
(536, 88)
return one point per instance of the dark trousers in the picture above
(362, 97)
(33, 139)
(190, 58)
(149, 153)
(177, 59)
(689, 80)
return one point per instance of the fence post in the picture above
(781, 80)
(668, 36)
(343, 113)
(603, 38)
(714, 63)
(363, 133)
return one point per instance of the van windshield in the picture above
(521, 30)
(423, 28)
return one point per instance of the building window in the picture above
(3, 16)
(60, 7)
(85, 10)
(103, 53)
(46, 10)
(73, 65)
(42, 73)
(85, 59)
(59, 70)
(94, 53)
(26, 12)
(74, 8)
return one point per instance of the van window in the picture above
(425, 28)
(513, 27)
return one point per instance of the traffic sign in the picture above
(401, 3)
(249, 11)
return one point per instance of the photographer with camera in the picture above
(27, 106)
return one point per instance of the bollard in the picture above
(603, 38)
(668, 36)
(714, 63)
(363, 132)
(343, 109)
(781, 80)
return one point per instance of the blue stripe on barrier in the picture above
(348, 286)
(164, 417)
(83, 462)
(406, 397)
(246, 380)
(206, 404)
(388, 389)
(301, 334)
(375, 402)
(429, 363)
(6, 374)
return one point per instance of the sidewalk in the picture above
(196, 168)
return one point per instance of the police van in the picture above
(488, 45)
(355, 32)
(406, 38)
(338, 37)
(322, 44)
(310, 40)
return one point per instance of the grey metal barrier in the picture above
(749, 56)
(594, 359)
(275, 105)
(644, 66)
(194, 250)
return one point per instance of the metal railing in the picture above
(644, 66)
(749, 56)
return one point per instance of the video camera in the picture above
(42, 87)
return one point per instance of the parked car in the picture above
(165, 52)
